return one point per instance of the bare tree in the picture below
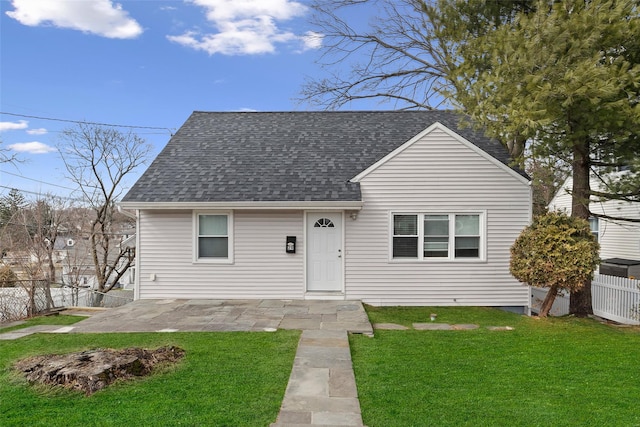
(402, 54)
(99, 160)
(30, 244)
(6, 156)
(390, 60)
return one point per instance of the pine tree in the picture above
(567, 79)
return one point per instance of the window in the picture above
(324, 223)
(594, 224)
(441, 236)
(405, 236)
(213, 237)
(436, 236)
(467, 236)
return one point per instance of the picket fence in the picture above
(613, 298)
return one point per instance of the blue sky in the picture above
(141, 63)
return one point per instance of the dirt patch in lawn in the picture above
(93, 370)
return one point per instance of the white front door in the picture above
(324, 251)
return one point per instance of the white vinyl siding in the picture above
(618, 239)
(261, 267)
(438, 174)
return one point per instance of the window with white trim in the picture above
(594, 224)
(424, 236)
(213, 237)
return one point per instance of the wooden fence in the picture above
(613, 298)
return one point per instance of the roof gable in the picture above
(285, 157)
(452, 134)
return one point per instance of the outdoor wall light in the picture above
(291, 245)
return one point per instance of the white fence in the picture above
(613, 298)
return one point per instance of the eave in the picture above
(285, 205)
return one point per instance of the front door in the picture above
(324, 252)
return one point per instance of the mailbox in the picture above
(291, 245)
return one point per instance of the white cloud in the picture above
(232, 10)
(22, 124)
(312, 40)
(39, 131)
(244, 27)
(32, 147)
(100, 17)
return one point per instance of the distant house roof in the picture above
(284, 156)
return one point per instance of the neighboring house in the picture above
(35, 261)
(618, 239)
(77, 264)
(128, 280)
(391, 208)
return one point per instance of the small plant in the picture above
(8, 278)
(557, 252)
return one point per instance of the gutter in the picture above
(126, 213)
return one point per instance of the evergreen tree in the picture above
(566, 78)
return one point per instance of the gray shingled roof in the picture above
(283, 156)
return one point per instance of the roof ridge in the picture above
(328, 111)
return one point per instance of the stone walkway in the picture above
(321, 390)
(322, 386)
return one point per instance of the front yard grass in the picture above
(225, 379)
(59, 319)
(545, 372)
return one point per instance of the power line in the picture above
(37, 180)
(40, 194)
(85, 122)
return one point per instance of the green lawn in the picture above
(546, 372)
(59, 319)
(225, 379)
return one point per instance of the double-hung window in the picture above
(405, 236)
(213, 237)
(448, 236)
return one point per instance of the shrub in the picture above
(8, 278)
(557, 252)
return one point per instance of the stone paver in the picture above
(228, 315)
(322, 389)
(464, 327)
(389, 326)
(432, 326)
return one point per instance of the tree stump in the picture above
(93, 370)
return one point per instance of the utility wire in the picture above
(41, 194)
(37, 180)
(85, 122)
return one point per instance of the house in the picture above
(618, 239)
(75, 260)
(389, 207)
